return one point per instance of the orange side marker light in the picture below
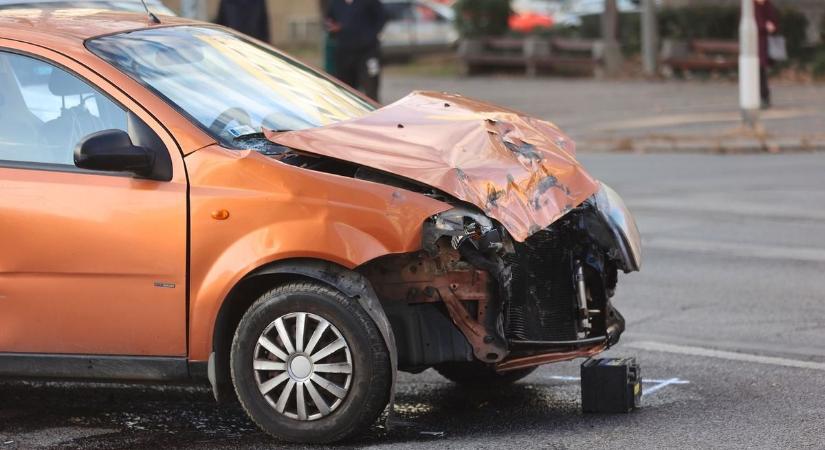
(220, 214)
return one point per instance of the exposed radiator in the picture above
(542, 304)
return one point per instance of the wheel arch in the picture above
(266, 277)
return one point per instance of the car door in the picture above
(91, 263)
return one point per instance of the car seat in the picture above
(74, 123)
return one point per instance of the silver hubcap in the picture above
(303, 366)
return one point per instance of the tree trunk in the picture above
(610, 28)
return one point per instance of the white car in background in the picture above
(574, 10)
(588, 7)
(155, 6)
(416, 27)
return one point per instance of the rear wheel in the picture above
(479, 374)
(309, 365)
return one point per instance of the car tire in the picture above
(263, 366)
(479, 374)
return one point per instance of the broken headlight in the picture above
(625, 234)
(461, 224)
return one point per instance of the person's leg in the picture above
(346, 66)
(764, 88)
(370, 73)
(330, 53)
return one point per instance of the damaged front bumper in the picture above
(517, 304)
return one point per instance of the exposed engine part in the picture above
(448, 279)
(517, 304)
(461, 224)
(581, 291)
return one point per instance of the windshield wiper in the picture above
(248, 136)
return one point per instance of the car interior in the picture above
(45, 111)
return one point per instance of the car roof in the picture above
(43, 25)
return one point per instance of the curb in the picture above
(706, 145)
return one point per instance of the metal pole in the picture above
(748, 64)
(650, 37)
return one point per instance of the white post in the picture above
(749, 99)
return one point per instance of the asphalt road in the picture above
(592, 110)
(727, 318)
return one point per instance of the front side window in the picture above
(45, 111)
(227, 85)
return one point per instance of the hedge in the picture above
(482, 17)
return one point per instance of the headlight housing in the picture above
(460, 223)
(613, 211)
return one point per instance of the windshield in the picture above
(229, 86)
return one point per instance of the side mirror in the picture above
(113, 151)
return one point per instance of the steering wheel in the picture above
(223, 120)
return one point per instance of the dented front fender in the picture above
(274, 211)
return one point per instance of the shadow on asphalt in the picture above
(149, 416)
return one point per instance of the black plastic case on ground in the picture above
(611, 385)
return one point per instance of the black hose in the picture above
(473, 256)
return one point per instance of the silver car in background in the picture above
(416, 27)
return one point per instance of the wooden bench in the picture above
(531, 54)
(483, 53)
(583, 55)
(699, 54)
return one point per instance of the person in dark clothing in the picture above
(247, 16)
(329, 43)
(355, 25)
(767, 22)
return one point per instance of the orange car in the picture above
(178, 201)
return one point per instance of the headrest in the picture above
(62, 83)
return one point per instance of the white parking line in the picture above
(732, 356)
(664, 383)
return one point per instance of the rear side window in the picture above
(45, 111)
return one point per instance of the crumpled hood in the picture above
(519, 170)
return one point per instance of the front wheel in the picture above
(309, 365)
